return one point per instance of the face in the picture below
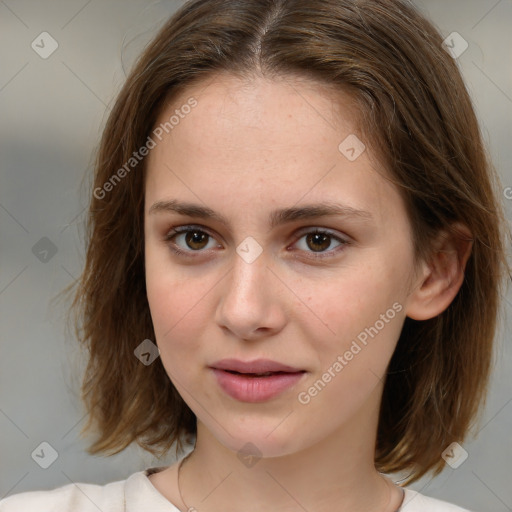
(324, 294)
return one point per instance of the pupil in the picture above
(196, 237)
(316, 237)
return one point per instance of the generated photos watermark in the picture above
(137, 156)
(361, 341)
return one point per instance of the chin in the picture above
(259, 438)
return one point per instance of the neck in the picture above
(335, 473)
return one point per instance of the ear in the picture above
(440, 279)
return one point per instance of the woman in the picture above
(295, 258)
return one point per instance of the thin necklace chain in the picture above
(179, 488)
(192, 508)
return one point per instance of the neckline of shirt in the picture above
(139, 489)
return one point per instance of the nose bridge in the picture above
(249, 269)
(248, 302)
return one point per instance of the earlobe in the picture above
(442, 276)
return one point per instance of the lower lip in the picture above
(255, 389)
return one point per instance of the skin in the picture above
(246, 149)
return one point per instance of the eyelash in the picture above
(189, 254)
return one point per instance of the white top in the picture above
(137, 493)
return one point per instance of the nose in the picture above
(251, 304)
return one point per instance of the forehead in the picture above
(275, 141)
(271, 111)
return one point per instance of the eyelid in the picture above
(185, 228)
(315, 229)
(179, 230)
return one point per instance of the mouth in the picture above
(257, 367)
(265, 374)
(255, 387)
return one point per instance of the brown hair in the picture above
(417, 115)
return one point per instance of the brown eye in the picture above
(187, 240)
(318, 241)
(196, 239)
(192, 241)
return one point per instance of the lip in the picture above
(255, 366)
(250, 388)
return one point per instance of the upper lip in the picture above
(255, 366)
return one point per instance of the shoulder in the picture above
(416, 502)
(75, 497)
(134, 494)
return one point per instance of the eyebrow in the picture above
(276, 217)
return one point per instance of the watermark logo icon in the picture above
(44, 45)
(44, 250)
(352, 147)
(146, 352)
(455, 455)
(249, 249)
(249, 455)
(45, 455)
(455, 45)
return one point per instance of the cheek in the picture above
(359, 316)
(351, 299)
(177, 318)
(365, 313)
(175, 304)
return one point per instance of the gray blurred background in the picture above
(52, 113)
